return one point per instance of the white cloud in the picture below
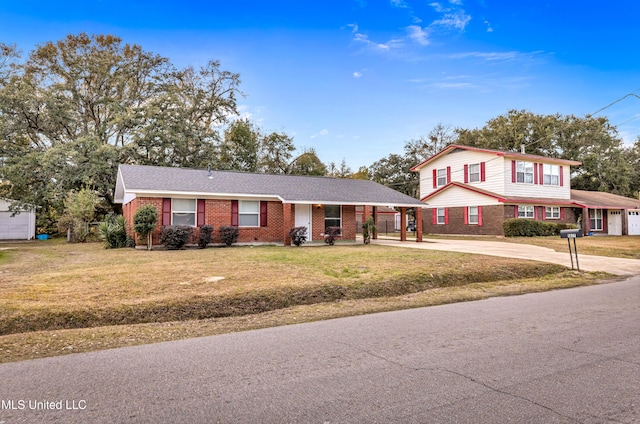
(399, 3)
(489, 28)
(418, 34)
(357, 74)
(321, 133)
(457, 20)
(391, 44)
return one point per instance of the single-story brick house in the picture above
(263, 206)
(607, 213)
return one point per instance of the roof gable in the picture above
(163, 181)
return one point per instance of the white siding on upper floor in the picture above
(494, 170)
(536, 190)
(456, 196)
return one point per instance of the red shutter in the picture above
(466, 173)
(434, 216)
(483, 171)
(448, 174)
(561, 211)
(446, 215)
(543, 211)
(479, 216)
(234, 213)
(166, 211)
(466, 215)
(535, 212)
(513, 171)
(541, 173)
(515, 211)
(263, 214)
(535, 173)
(435, 178)
(200, 221)
(561, 177)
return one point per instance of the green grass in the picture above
(53, 292)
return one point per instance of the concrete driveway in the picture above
(618, 266)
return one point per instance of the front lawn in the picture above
(86, 290)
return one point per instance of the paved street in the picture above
(569, 356)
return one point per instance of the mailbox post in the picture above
(572, 234)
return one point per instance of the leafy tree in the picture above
(276, 151)
(76, 108)
(144, 223)
(307, 163)
(339, 171)
(423, 148)
(394, 171)
(240, 148)
(79, 212)
(592, 141)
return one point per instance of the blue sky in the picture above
(355, 79)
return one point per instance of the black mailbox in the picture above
(570, 233)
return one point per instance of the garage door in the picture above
(633, 220)
(15, 227)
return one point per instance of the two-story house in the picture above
(471, 190)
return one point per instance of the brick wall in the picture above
(492, 218)
(218, 213)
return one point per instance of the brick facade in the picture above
(492, 218)
(218, 213)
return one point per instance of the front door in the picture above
(614, 226)
(303, 218)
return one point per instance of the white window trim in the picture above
(474, 176)
(549, 212)
(596, 219)
(441, 174)
(441, 218)
(524, 165)
(552, 172)
(241, 213)
(194, 212)
(333, 217)
(473, 219)
(527, 209)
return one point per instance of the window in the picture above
(473, 215)
(442, 216)
(332, 216)
(595, 219)
(552, 212)
(474, 172)
(442, 177)
(183, 212)
(526, 212)
(248, 213)
(524, 172)
(551, 175)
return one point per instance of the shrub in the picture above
(174, 237)
(368, 228)
(330, 235)
(229, 235)
(113, 232)
(144, 222)
(79, 211)
(529, 228)
(298, 235)
(205, 236)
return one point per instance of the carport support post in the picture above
(403, 224)
(375, 223)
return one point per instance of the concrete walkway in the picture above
(617, 266)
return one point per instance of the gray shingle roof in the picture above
(290, 188)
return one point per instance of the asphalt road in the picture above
(569, 356)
